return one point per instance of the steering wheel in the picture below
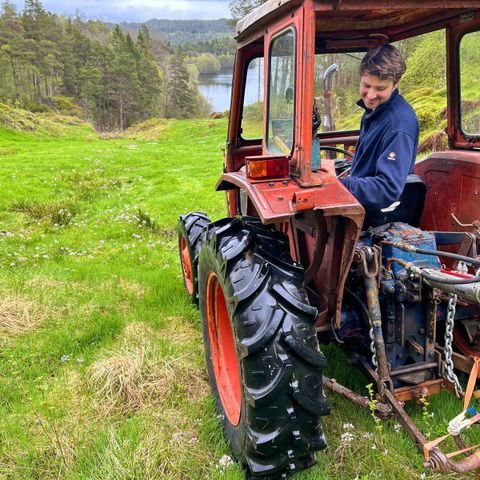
(342, 165)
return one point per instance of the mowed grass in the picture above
(102, 373)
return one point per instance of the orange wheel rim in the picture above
(462, 344)
(222, 350)
(186, 265)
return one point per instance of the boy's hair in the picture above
(384, 62)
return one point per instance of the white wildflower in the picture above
(348, 426)
(397, 427)
(177, 437)
(225, 461)
(346, 437)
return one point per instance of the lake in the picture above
(216, 88)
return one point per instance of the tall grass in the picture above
(102, 374)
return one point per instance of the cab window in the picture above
(252, 116)
(336, 91)
(281, 93)
(469, 84)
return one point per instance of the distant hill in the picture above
(178, 32)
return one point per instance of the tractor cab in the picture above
(294, 122)
(299, 262)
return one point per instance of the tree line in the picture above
(51, 61)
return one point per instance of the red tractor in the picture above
(297, 263)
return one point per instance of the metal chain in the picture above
(372, 347)
(449, 324)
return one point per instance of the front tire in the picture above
(190, 232)
(262, 352)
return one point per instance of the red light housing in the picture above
(259, 168)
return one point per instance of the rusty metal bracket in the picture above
(368, 261)
(475, 224)
(382, 410)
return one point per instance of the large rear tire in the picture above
(262, 352)
(190, 231)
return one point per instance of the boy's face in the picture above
(375, 91)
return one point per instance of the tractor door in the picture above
(245, 130)
(453, 176)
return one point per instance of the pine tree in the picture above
(180, 101)
(148, 74)
(125, 83)
(42, 34)
(12, 46)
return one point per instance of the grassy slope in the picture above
(102, 373)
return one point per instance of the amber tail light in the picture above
(262, 167)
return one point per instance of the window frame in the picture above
(293, 29)
(253, 140)
(466, 136)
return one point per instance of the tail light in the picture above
(267, 167)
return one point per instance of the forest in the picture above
(115, 76)
(112, 78)
(178, 32)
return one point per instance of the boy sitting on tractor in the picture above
(387, 146)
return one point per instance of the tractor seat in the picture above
(408, 208)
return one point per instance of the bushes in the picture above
(66, 105)
(426, 63)
(207, 64)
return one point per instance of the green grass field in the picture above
(102, 374)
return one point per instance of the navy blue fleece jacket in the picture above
(385, 153)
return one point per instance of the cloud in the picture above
(138, 11)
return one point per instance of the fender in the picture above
(278, 200)
(284, 200)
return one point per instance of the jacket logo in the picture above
(392, 156)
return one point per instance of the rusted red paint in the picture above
(453, 186)
(342, 26)
(456, 30)
(274, 199)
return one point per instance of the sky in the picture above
(138, 10)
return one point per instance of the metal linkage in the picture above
(449, 324)
(368, 261)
